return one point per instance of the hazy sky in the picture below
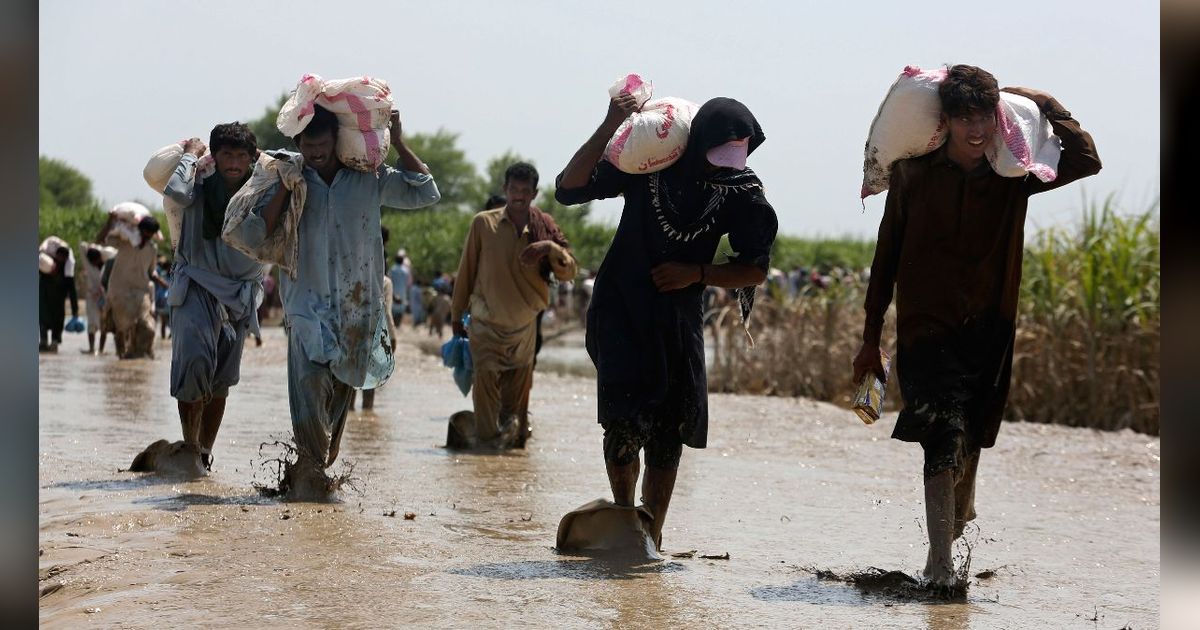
(119, 79)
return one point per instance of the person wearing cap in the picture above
(950, 246)
(645, 321)
(503, 281)
(130, 292)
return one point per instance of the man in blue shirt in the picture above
(214, 287)
(338, 337)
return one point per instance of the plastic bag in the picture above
(363, 107)
(654, 137)
(456, 354)
(75, 325)
(908, 124)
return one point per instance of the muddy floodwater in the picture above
(791, 490)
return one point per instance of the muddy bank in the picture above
(1068, 518)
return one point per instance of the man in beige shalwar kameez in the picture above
(130, 294)
(503, 282)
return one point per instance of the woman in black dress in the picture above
(645, 323)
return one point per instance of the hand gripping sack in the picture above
(363, 106)
(909, 124)
(654, 137)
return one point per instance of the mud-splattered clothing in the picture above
(335, 305)
(951, 243)
(318, 402)
(334, 311)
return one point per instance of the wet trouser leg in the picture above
(319, 404)
(485, 395)
(950, 468)
(515, 385)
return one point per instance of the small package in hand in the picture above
(868, 397)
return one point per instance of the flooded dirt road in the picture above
(1067, 537)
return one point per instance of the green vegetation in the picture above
(68, 209)
(1088, 331)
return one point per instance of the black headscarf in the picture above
(698, 192)
(716, 122)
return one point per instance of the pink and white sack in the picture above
(654, 137)
(909, 124)
(158, 171)
(363, 107)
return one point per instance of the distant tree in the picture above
(268, 135)
(494, 172)
(63, 185)
(457, 179)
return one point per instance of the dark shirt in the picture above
(951, 244)
(648, 347)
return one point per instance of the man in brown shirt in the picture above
(951, 242)
(503, 282)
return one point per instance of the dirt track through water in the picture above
(1068, 529)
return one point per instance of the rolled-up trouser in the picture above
(319, 404)
(206, 351)
(949, 451)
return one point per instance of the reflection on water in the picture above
(784, 484)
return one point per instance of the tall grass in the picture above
(1087, 344)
